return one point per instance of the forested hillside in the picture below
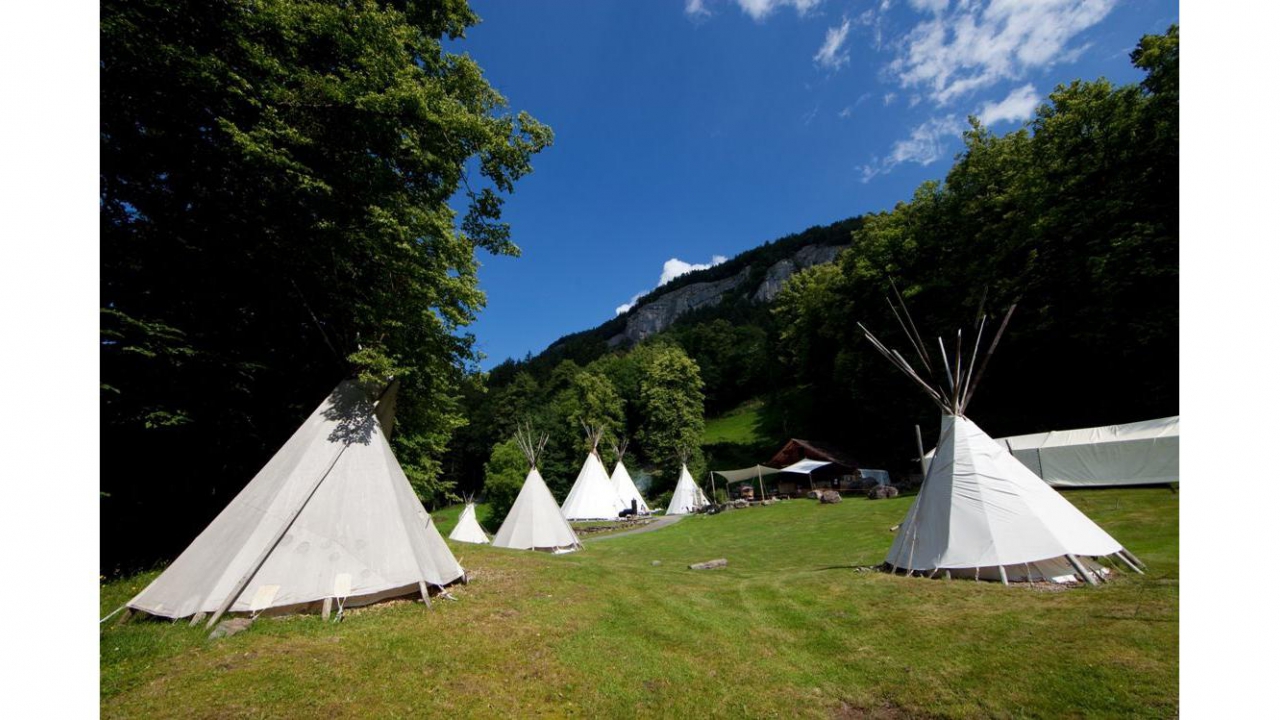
(1074, 217)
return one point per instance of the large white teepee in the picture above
(330, 516)
(592, 496)
(687, 497)
(624, 486)
(535, 521)
(468, 529)
(980, 513)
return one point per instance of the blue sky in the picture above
(692, 130)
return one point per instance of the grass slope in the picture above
(737, 427)
(790, 628)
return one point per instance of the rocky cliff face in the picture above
(657, 315)
(777, 275)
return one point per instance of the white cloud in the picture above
(627, 305)
(889, 98)
(676, 267)
(926, 145)
(934, 6)
(696, 10)
(1019, 105)
(761, 9)
(846, 113)
(975, 45)
(830, 55)
(671, 269)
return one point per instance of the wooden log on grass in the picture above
(710, 564)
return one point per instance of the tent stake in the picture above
(195, 619)
(326, 609)
(1004, 577)
(426, 597)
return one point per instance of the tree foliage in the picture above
(278, 180)
(504, 475)
(1074, 217)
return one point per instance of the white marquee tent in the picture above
(331, 517)
(468, 529)
(1139, 453)
(687, 497)
(980, 513)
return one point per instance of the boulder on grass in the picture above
(881, 492)
(829, 497)
(227, 628)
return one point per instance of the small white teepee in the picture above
(330, 517)
(980, 513)
(687, 497)
(535, 521)
(592, 496)
(624, 486)
(468, 529)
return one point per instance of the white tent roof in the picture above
(330, 515)
(980, 509)
(534, 521)
(687, 497)
(750, 473)
(804, 467)
(592, 496)
(626, 489)
(468, 529)
(1140, 453)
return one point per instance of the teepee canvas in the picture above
(592, 496)
(331, 517)
(687, 497)
(980, 513)
(535, 521)
(624, 486)
(468, 529)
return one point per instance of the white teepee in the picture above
(980, 513)
(535, 521)
(330, 517)
(592, 496)
(624, 486)
(687, 497)
(468, 529)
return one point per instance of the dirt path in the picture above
(657, 524)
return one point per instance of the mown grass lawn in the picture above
(790, 629)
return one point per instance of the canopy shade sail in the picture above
(750, 473)
(804, 467)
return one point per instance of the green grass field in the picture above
(791, 628)
(737, 427)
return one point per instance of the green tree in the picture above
(504, 475)
(278, 180)
(671, 408)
